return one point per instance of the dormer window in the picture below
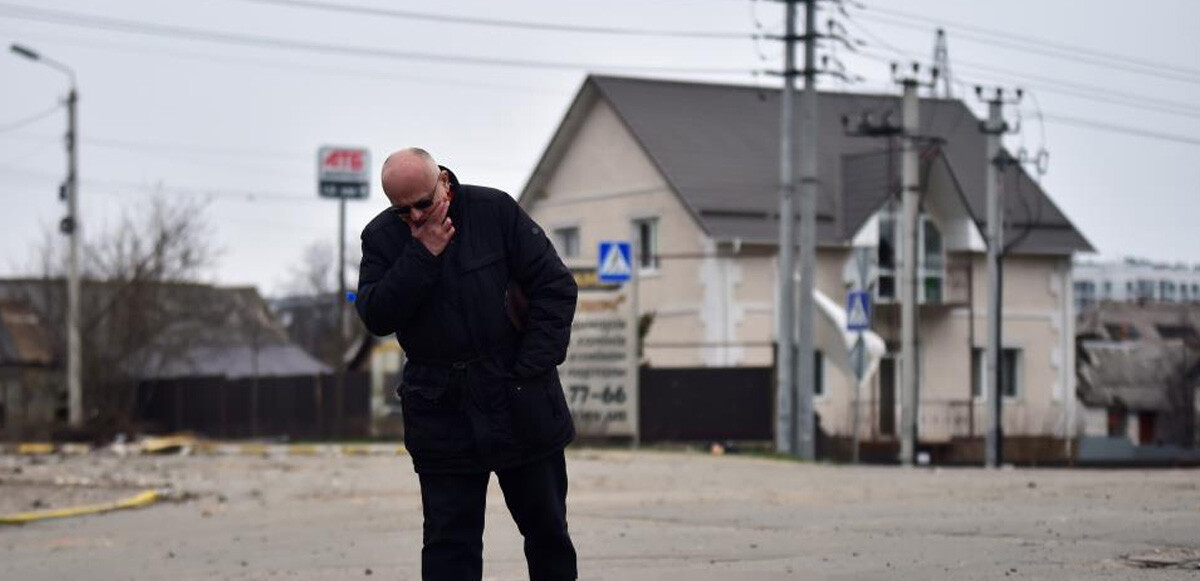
(931, 260)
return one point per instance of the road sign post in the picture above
(615, 264)
(342, 173)
(858, 318)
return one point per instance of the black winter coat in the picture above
(480, 390)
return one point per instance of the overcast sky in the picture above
(240, 125)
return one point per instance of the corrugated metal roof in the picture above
(1136, 375)
(236, 362)
(23, 337)
(718, 147)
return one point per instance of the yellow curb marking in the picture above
(35, 448)
(255, 449)
(76, 449)
(144, 498)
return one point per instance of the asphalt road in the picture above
(634, 516)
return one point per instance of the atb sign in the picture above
(616, 262)
(343, 172)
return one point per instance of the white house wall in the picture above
(602, 183)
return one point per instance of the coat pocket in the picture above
(538, 419)
(427, 414)
(469, 264)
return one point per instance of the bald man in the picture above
(442, 269)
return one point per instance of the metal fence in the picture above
(292, 407)
(705, 404)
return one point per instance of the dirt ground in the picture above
(634, 516)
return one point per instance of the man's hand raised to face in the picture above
(436, 230)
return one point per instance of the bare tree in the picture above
(315, 275)
(311, 310)
(143, 301)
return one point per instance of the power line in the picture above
(197, 191)
(1037, 45)
(1088, 122)
(175, 32)
(1121, 129)
(1052, 85)
(276, 65)
(1049, 85)
(516, 24)
(30, 119)
(188, 148)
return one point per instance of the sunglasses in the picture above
(422, 204)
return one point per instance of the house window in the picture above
(1085, 294)
(1010, 372)
(1117, 422)
(1146, 430)
(1145, 289)
(1166, 291)
(1106, 294)
(931, 262)
(886, 257)
(566, 241)
(645, 232)
(887, 253)
(818, 373)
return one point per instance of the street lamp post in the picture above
(71, 227)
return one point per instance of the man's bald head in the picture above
(413, 182)
(408, 171)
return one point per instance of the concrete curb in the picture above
(208, 447)
(144, 498)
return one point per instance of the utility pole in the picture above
(70, 226)
(909, 202)
(910, 225)
(995, 127)
(805, 434)
(340, 388)
(785, 380)
(795, 425)
(907, 261)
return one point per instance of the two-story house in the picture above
(689, 172)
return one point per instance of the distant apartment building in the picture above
(1134, 280)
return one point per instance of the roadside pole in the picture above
(909, 213)
(785, 380)
(635, 377)
(340, 386)
(342, 172)
(858, 355)
(995, 127)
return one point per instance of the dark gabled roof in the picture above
(207, 330)
(717, 146)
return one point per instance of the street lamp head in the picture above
(25, 52)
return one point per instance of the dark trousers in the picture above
(536, 495)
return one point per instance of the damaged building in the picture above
(1139, 373)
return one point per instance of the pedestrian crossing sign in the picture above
(616, 262)
(858, 311)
